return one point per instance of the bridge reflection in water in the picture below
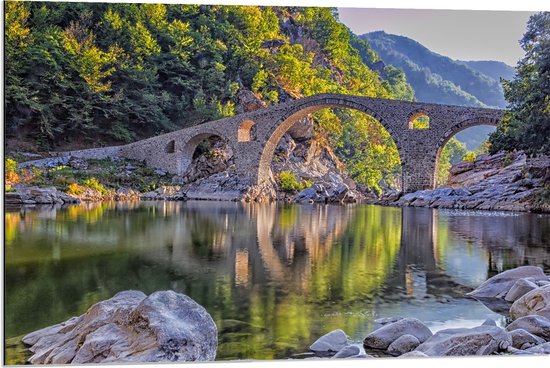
(273, 276)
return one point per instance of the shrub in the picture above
(11, 176)
(75, 189)
(470, 157)
(94, 184)
(288, 182)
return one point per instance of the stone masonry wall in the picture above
(253, 136)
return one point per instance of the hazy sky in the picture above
(458, 34)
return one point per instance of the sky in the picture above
(458, 34)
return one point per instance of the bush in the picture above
(470, 157)
(288, 182)
(75, 189)
(94, 184)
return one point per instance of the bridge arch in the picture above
(313, 104)
(189, 146)
(454, 130)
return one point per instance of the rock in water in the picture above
(536, 301)
(499, 285)
(351, 351)
(403, 344)
(520, 288)
(384, 336)
(522, 339)
(481, 340)
(332, 341)
(540, 349)
(130, 327)
(536, 325)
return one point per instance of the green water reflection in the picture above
(274, 277)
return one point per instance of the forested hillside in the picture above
(437, 78)
(491, 68)
(85, 74)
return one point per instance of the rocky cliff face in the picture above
(505, 181)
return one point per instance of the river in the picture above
(274, 277)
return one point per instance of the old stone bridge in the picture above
(253, 136)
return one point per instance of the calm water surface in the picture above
(274, 277)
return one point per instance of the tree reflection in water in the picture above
(273, 276)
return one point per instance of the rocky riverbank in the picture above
(304, 171)
(505, 181)
(167, 326)
(130, 327)
(522, 294)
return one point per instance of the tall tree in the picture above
(527, 124)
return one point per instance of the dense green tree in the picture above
(88, 74)
(527, 123)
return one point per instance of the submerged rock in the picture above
(522, 339)
(498, 286)
(536, 325)
(540, 349)
(520, 288)
(351, 351)
(413, 354)
(403, 345)
(130, 327)
(384, 336)
(332, 341)
(536, 301)
(481, 340)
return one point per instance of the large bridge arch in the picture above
(453, 131)
(291, 116)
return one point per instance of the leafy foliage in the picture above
(88, 74)
(452, 153)
(288, 182)
(527, 124)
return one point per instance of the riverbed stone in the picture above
(385, 335)
(489, 322)
(536, 301)
(403, 345)
(414, 354)
(520, 288)
(499, 285)
(332, 341)
(130, 327)
(540, 349)
(536, 325)
(481, 340)
(522, 339)
(351, 351)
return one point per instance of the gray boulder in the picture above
(413, 354)
(481, 340)
(130, 327)
(332, 341)
(536, 301)
(520, 288)
(536, 325)
(351, 351)
(489, 322)
(499, 285)
(385, 335)
(403, 345)
(540, 349)
(522, 339)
